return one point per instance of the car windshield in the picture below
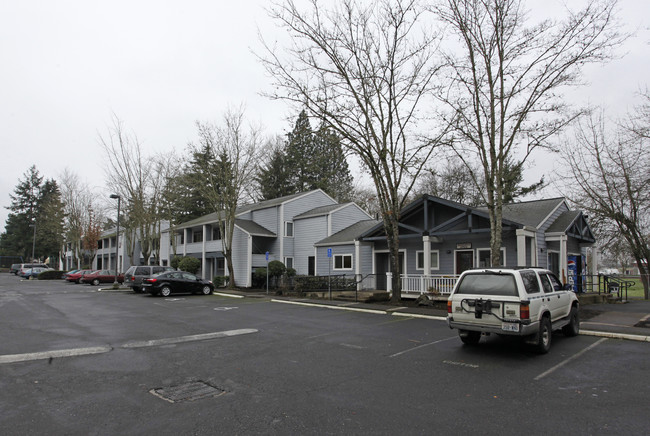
(488, 283)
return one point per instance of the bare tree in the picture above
(506, 78)
(366, 72)
(133, 176)
(610, 179)
(77, 203)
(229, 174)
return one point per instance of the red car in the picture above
(76, 277)
(101, 276)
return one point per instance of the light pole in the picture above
(34, 240)
(117, 238)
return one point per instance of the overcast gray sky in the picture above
(68, 65)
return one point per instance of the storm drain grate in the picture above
(187, 392)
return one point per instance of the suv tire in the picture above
(469, 337)
(573, 328)
(544, 336)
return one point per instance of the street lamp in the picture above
(117, 238)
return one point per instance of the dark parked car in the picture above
(175, 282)
(101, 276)
(134, 275)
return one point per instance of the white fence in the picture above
(420, 284)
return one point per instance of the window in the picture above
(551, 283)
(342, 261)
(197, 236)
(216, 233)
(288, 229)
(484, 257)
(182, 237)
(419, 263)
(531, 284)
(288, 262)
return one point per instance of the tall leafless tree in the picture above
(77, 202)
(230, 174)
(134, 177)
(609, 178)
(506, 81)
(367, 70)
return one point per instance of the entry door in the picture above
(464, 260)
(311, 267)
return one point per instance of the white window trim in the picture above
(342, 263)
(503, 255)
(293, 229)
(292, 262)
(421, 268)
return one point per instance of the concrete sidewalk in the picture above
(629, 320)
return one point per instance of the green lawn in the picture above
(635, 291)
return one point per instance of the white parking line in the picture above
(192, 338)
(11, 358)
(564, 362)
(421, 346)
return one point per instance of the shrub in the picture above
(220, 281)
(51, 275)
(259, 278)
(276, 268)
(175, 261)
(189, 264)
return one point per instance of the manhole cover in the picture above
(187, 392)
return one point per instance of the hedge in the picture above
(51, 275)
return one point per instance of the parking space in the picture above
(293, 369)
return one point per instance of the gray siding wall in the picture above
(323, 262)
(267, 218)
(240, 257)
(307, 232)
(344, 218)
(296, 207)
(541, 237)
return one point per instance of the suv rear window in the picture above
(142, 271)
(531, 284)
(488, 284)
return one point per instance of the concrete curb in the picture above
(638, 338)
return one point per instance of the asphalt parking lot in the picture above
(76, 360)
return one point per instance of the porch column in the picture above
(593, 268)
(533, 252)
(426, 242)
(357, 264)
(203, 258)
(111, 250)
(564, 267)
(521, 247)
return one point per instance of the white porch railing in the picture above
(433, 284)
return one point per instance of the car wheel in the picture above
(207, 290)
(544, 336)
(137, 290)
(165, 291)
(79, 281)
(573, 328)
(469, 337)
(96, 282)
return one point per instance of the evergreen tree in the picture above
(307, 160)
(301, 155)
(34, 203)
(331, 166)
(273, 177)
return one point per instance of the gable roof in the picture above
(573, 223)
(320, 211)
(349, 234)
(213, 217)
(531, 213)
(254, 229)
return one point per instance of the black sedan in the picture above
(176, 282)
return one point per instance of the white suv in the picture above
(530, 302)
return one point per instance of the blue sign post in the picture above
(329, 272)
(267, 273)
